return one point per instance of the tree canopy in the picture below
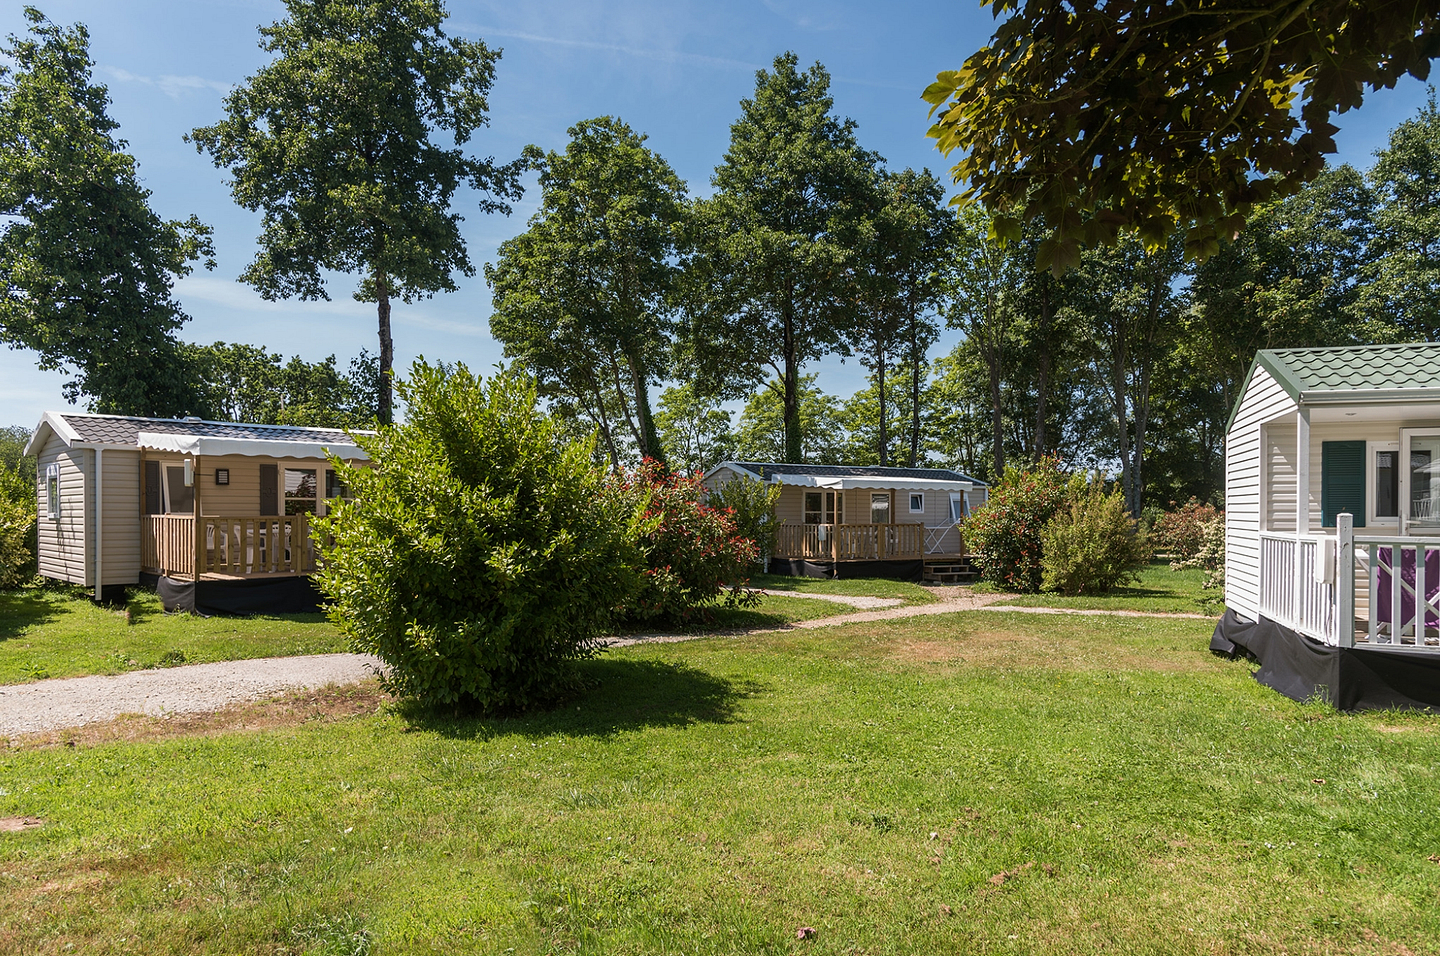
(332, 140)
(1098, 116)
(86, 267)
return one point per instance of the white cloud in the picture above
(171, 85)
(667, 56)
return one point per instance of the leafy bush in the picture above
(17, 543)
(751, 505)
(482, 555)
(1210, 555)
(1007, 529)
(1091, 545)
(693, 554)
(1181, 533)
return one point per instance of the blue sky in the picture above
(675, 70)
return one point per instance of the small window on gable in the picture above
(52, 491)
(917, 502)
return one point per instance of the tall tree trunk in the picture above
(649, 438)
(915, 363)
(794, 439)
(385, 412)
(997, 418)
(1042, 375)
(884, 412)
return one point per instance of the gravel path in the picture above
(74, 701)
(854, 600)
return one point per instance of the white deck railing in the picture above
(1341, 589)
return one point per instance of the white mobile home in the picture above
(1332, 496)
(851, 520)
(180, 501)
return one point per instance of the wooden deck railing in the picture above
(236, 546)
(851, 542)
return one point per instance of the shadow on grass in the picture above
(623, 695)
(23, 609)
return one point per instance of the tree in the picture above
(86, 266)
(983, 271)
(763, 434)
(1104, 115)
(694, 430)
(902, 270)
(772, 283)
(876, 432)
(247, 383)
(332, 141)
(1402, 282)
(584, 295)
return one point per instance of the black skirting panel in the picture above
(289, 595)
(892, 570)
(1351, 678)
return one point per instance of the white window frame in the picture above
(958, 497)
(1406, 434)
(1372, 482)
(52, 491)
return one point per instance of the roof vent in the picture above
(191, 418)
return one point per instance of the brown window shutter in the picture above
(269, 489)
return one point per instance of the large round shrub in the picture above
(751, 505)
(1091, 545)
(1006, 530)
(694, 557)
(481, 556)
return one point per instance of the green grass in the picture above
(60, 632)
(1159, 589)
(907, 591)
(772, 611)
(968, 783)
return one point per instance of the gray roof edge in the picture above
(206, 421)
(778, 467)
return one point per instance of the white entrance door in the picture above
(1420, 480)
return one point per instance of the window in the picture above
(821, 507)
(52, 491)
(959, 507)
(880, 508)
(179, 496)
(1387, 484)
(1424, 482)
(917, 502)
(299, 491)
(334, 487)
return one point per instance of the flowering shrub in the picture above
(1007, 530)
(1092, 544)
(751, 505)
(693, 556)
(1210, 555)
(1181, 532)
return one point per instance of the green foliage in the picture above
(1181, 533)
(247, 383)
(1100, 116)
(694, 429)
(1210, 555)
(772, 278)
(481, 556)
(86, 267)
(18, 502)
(693, 557)
(583, 297)
(751, 506)
(1008, 529)
(1091, 545)
(761, 433)
(332, 141)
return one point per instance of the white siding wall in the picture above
(713, 482)
(62, 543)
(1280, 471)
(1263, 401)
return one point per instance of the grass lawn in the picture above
(962, 783)
(907, 591)
(60, 632)
(1159, 589)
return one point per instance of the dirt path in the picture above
(76, 701)
(854, 600)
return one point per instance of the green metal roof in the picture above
(1351, 373)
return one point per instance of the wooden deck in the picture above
(226, 547)
(858, 542)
